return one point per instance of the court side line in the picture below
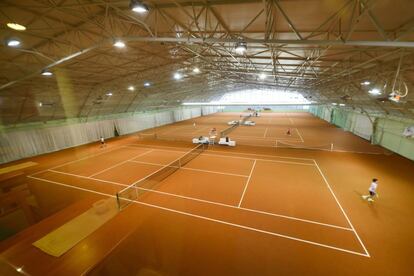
(211, 219)
(240, 157)
(160, 168)
(264, 135)
(266, 155)
(160, 149)
(192, 169)
(342, 209)
(265, 139)
(208, 201)
(301, 138)
(252, 159)
(120, 163)
(247, 183)
(73, 161)
(247, 227)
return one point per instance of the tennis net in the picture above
(244, 119)
(136, 190)
(226, 131)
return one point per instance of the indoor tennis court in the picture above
(195, 137)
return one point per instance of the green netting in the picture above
(387, 132)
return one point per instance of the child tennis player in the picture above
(102, 142)
(372, 190)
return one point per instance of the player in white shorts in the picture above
(372, 190)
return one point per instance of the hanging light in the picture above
(13, 42)
(374, 91)
(109, 94)
(196, 70)
(147, 84)
(365, 83)
(241, 47)
(119, 44)
(46, 73)
(16, 27)
(177, 76)
(131, 88)
(262, 76)
(138, 6)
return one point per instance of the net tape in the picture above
(136, 190)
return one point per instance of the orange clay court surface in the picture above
(255, 209)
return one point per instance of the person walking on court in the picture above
(288, 132)
(372, 190)
(102, 142)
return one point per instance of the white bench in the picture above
(222, 141)
(203, 140)
(249, 123)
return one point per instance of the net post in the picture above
(332, 145)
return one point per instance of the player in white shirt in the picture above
(372, 190)
(102, 142)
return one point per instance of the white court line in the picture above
(160, 168)
(342, 209)
(301, 138)
(266, 155)
(247, 183)
(193, 169)
(252, 159)
(210, 219)
(265, 139)
(83, 158)
(159, 148)
(264, 135)
(234, 155)
(120, 163)
(90, 178)
(209, 202)
(276, 161)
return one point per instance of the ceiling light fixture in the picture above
(46, 73)
(138, 6)
(109, 94)
(241, 47)
(13, 42)
(374, 91)
(196, 70)
(177, 76)
(147, 84)
(119, 44)
(341, 104)
(131, 88)
(334, 104)
(365, 83)
(262, 76)
(40, 104)
(16, 27)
